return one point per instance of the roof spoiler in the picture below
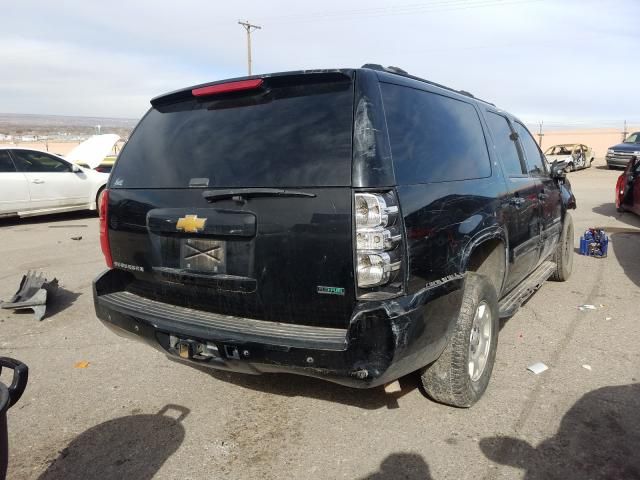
(255, 83)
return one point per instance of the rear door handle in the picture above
(37, 180)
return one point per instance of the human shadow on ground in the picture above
(135, 446)
(406, 466)
(598, 438)
(289, 385)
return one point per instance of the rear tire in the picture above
(563, 256)
(461, 375)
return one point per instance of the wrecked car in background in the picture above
(358, 226)
(575, 155)
(619, 155)
(94, 153)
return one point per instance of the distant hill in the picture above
(59, 126)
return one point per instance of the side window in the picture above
(505, 146)
(433, 138)
(30, 161)
(531, 150)
(6, 165)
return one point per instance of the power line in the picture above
(409, 9)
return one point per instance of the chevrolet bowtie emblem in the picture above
(190, 224)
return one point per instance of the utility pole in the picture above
(540, 134)
(249, 28)
(624, 132)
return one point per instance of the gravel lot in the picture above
(133, 413)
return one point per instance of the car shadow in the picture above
(609, 210)
(598, 438)
(135, 446)
(624, 241)
(289, 385)
(54, 217)
(406, 466)
(625, 246)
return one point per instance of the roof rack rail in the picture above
(404, 73)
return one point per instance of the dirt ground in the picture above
(132, 413)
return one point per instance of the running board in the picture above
(510, 304)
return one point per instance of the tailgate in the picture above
(281, 259)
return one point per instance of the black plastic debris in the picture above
(34, 292)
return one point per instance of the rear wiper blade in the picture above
(240, 194)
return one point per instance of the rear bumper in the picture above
(384, 340)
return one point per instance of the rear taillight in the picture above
(379, 245)
(104, 229)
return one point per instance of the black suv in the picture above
(354, 225)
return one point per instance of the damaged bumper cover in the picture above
(384, 340)
(34, 292)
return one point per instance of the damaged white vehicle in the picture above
(575, 155)
(34, 182)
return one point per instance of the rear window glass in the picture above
(433, 138)
(290, 136)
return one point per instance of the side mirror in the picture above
(558, 169)
(75, 168)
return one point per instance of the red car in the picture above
(628, 188)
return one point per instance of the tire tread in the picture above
(447, 380)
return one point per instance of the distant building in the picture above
(28, 138)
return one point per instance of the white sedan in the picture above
(576, 155)
(33, 182)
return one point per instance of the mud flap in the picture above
(33, 294)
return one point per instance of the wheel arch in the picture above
(96, 197)
(486, 254)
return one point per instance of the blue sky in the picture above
(572, 62)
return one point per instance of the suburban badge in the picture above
(330, 290)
